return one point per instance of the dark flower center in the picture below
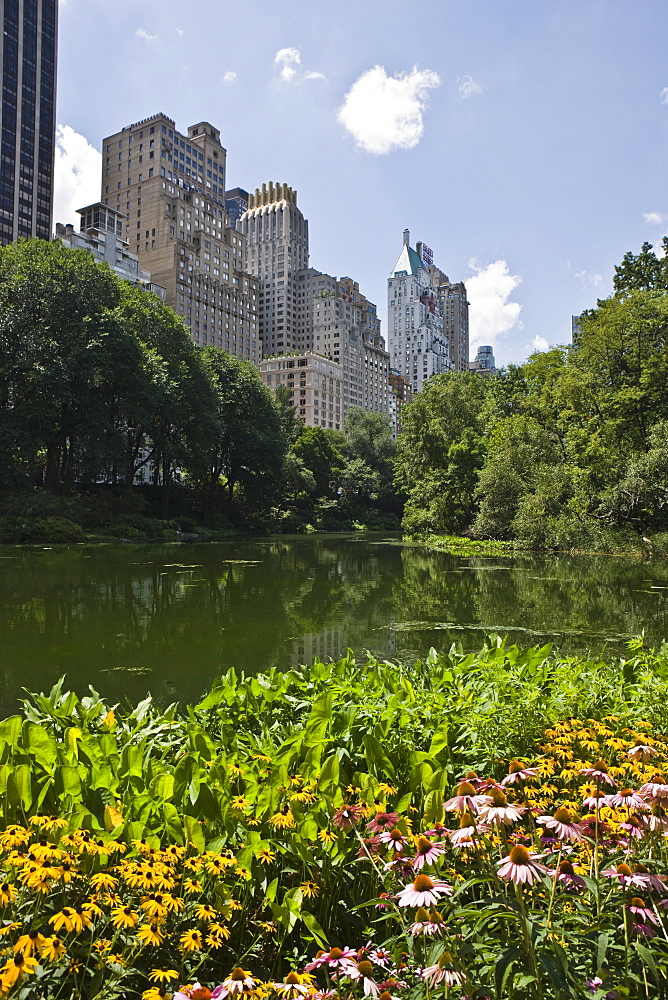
(519, 855)
(423, 883)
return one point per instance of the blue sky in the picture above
(525, 141)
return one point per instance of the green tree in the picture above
(642, 272)
(68, 366)
(244, 458)
(176, 417)
(321, 458)
(441, 450)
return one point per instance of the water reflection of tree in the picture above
(578, 601)
(89, 611)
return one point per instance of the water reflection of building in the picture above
(333, 643)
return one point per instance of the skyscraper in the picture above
(171, 188)
(417, 344)
(27, 117)
(277, 248)
(454, 306)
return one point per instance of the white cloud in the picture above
(78, 169)
(489, 290)
(654, 218)
(467, 86)
(539, 344)
(179, 32)
(663, 96)
(588, 278)
(145, 36)
(313, 75)
(230, 76)
(288, 60)
(385, 112)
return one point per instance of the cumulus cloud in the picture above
(539, 344)
(588, 278)
(663, 96)
(467, 86)
(230, 76)
(492, 314)
(78, 168)
(287, 60)
(386, 112)
(145, 36)
(654, 218)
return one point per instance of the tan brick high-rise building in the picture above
(171, 188)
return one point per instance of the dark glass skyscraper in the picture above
(27, 117)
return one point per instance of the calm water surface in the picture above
(169, 618)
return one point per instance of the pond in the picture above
(130, 619)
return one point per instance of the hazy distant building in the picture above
(416, 341)
(28, 49)
(170, 187)
(484, 361)
(101, 234)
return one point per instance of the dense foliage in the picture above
(101, 385)
(566, 450)
(306, 810)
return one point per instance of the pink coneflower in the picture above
(383, 821)
(499, 811)
(642, 752)
(473, 779)
(627, 799)
(186, 992)
(621, 872)
(520, 866)
(342, 960)
(368, 846)
(438, 831)
(563, 824)
(347, 817)
(466, 799)
(443, 972)
(596, 800)
(517, 771)
(599, 772)
(633, 828)
(383, 906)
(656, 819)
(567, 874)
(400, 865)
(381, 956)
(423, 891)
(468, 830)
(364, 971)
(427, 853)
(423, 924)
(644, 913)
(238, 981)
(644, 878)
(655, 789)
(394, 839)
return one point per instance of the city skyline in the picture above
(523, 144)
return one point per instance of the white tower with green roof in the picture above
(416, 343)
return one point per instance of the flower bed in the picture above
(545, 881)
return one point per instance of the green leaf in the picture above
(316, 930)
(194, 834)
